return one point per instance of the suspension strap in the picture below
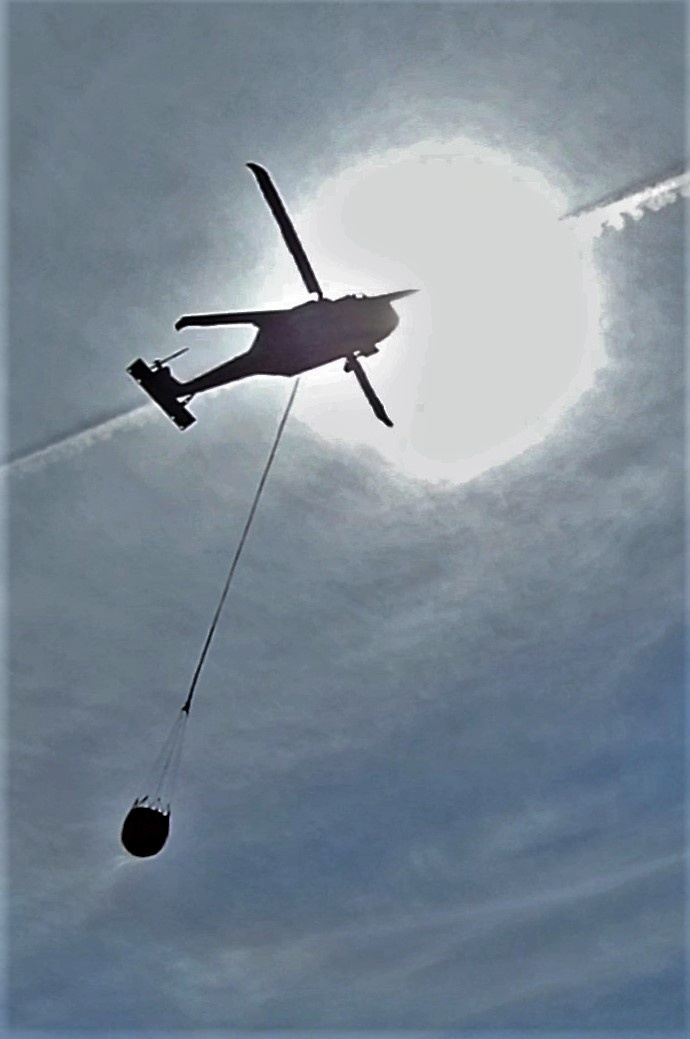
(233, 566)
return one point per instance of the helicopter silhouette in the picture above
(289, 341)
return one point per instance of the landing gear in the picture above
(366, 351)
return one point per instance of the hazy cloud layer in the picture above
(434, 776)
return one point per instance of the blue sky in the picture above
(435, 776)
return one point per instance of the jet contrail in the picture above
(75, 443)
(612, 212)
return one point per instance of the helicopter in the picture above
(288, 341)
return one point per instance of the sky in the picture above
(434, 777)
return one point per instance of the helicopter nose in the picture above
(389, 319)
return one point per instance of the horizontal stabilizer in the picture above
(159, 385)
(247, 317)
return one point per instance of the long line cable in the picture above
(238, 552)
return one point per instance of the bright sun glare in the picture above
(504, 335)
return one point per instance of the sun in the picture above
(504, 334)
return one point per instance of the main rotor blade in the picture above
(376, 405)
(390, 297)
(275, 204)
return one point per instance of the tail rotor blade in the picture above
(369, 392)
(275, 204)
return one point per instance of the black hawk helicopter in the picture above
(288, 341)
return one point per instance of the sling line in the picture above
(233, 566)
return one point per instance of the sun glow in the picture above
(504, 335)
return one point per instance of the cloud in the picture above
(432, 778)
(416, 759)
(435, 774)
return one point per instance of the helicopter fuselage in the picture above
(307, 336)
(288, 342)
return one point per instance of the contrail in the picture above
(632, 203)
(75, 443)
(613, 211)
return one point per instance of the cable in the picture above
(233, 566)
